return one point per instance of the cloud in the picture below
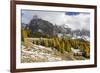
(81, 21)
(74, 20)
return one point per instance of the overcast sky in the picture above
(74, 20)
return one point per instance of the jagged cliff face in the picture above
(40, 25)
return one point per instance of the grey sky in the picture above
(74, 20)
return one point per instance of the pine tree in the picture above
(87, 51)
(46, 43)
(24, 34)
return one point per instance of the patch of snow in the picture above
(75, 50)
